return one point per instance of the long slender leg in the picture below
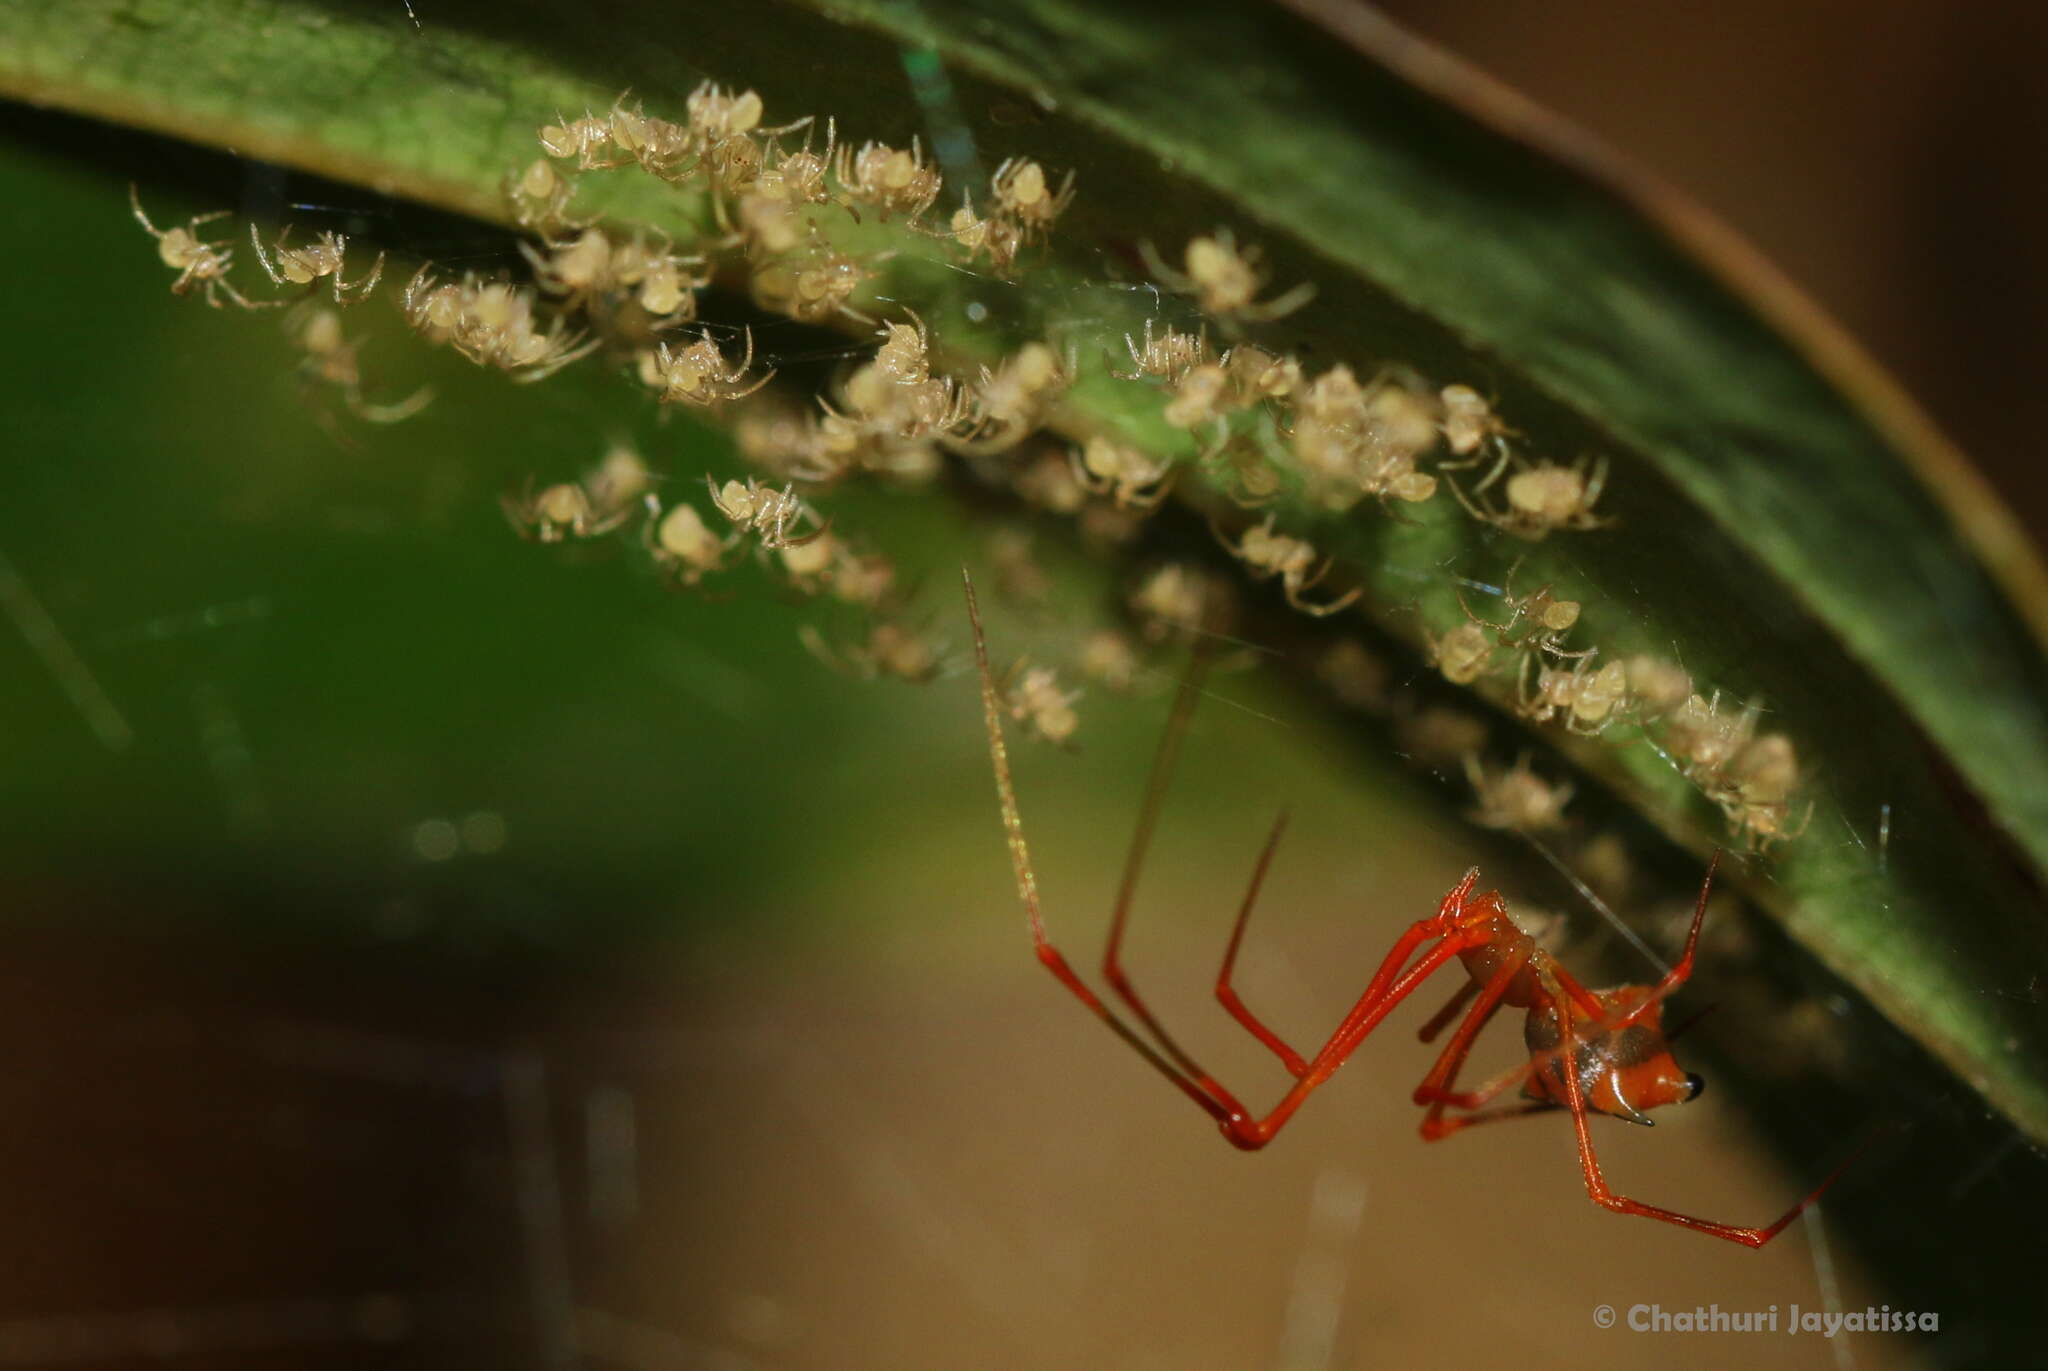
(1438, 1082)
(1163, 763)
(1681, 971)
(1459, 999)
(1393, 982)
(1295, 1063)
(1597, 1187)
(1385, 992)
(1213, 1099)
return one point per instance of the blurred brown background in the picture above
(1889, 157)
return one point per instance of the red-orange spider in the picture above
(1591, 1051)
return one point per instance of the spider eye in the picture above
(1696, 1083)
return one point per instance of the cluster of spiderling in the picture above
(329, 361)
(778, 205)
(1752, 778)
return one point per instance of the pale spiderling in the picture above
(699, 374)
(1358, 439)
(997, 237)
(772, 515)
(331, 360)
(1262, 375)
(1168, 357)
(1515, 798)
(662, 147)
(904, 356)
(1247, 472)
(1025, 198)
(814, 285)
(1705, 741)
(305, 266)
(431, 308)
(1462, 653)
(1020, 577)
(1358, 677)
(560, 512)
(867, 579)
(1037, 701)
(1659, 687)
(1225, 280)
(733, 166)
(577, 269)
(1755, 791)
(890, 180)
(1468, 420)
(1179, 599)
(492, 324)
(1130, 476)
(199, 264)
(683, 547)
(539, 197)
(769, 224)
(1540, 498)
(667, 286)
(1437, 735)
(808, 562)
(620, 478)
(1587, 699)
(716, 115)
(584, 139)
(890, 649)
(1108, 658)
(1536, 622)
(1046, 479)
(1293, 560)
(799, 178)
(1012, 400)
(1201, 396)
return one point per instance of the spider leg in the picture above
(1280, 306)
(1167, 276)
(1197, 1086)
(135, 202)
(362, 288)
(263, 258)
(1459, 999)
(1296, 1064)
(1393, 982)
(1324, 610)
(1163, 763)
(244, 301)
(1389, 986)
(1604, 1196)
(1435, 1090)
